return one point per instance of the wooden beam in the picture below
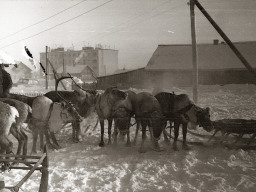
(194, 51)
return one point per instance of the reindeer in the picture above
(123, 110)
(181, 110)
(83, 100)
(8, 116)
(49, 116)
(16, 130)
(104, 109)
(148, 113)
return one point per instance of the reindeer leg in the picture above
(78, 132)
(101, 144)
(76, 135)
(184, 132)
(167, 141)
(6, 145)
(54, 140)
(15, 133)
(115, 134)
(176, 134)
(144, 125)
(25, 140)
(136, 132)
(35, 132)
(128, 142)
(47, 139)
(109, 130)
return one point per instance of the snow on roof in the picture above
(210, 56)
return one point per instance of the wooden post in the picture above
(46, 68)
(45, 172)
(194, 52)
(227, 40)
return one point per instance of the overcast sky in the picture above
(134, 27)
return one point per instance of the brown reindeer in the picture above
(49, 117)
(83, 100)
(123, 110)
(16, 130)
(104, 109)
(148, 113)
(181, 110)
(8, 116)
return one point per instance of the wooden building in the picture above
(171, 65)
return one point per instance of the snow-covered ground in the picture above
(86, 167)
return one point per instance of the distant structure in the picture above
(217, 64)
(171, 65)
(100, 61)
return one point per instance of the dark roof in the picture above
(210, 56)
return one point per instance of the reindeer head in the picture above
(157, 123)
(199, 116)
(115, 94)
(122, 118)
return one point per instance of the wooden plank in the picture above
(39, 162)
(17, 161)
(20, 156)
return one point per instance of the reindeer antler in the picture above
(61, 78)
(67, 102)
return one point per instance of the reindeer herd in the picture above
(47, 114)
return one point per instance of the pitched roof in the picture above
(210, 56)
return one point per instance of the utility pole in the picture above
(194, 51)
(46, 68)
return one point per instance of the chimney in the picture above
(215, 41)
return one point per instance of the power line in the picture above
(41, 21)
(146, 19)
(57, 25)
(129, 20)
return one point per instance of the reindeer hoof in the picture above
(101, 144)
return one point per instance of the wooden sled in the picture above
(235, 126)
(238, 127)
(31, 164)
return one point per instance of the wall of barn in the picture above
(142, 78)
